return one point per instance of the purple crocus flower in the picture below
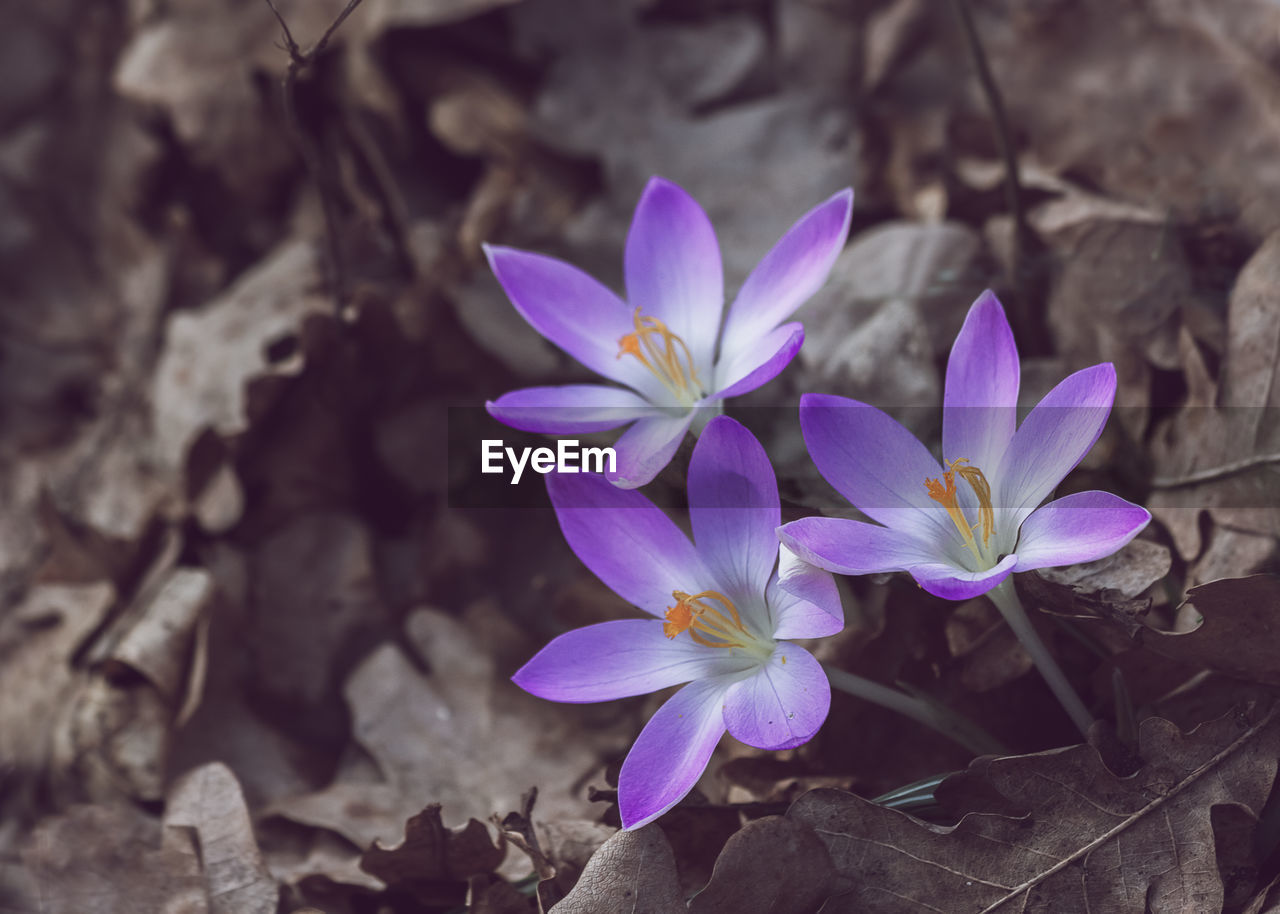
(962, 528)
(661, 344)
(722, 605)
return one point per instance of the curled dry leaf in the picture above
(1238, 635)
(1083, 839)
(209, 802)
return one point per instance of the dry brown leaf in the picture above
(1219, 452)
(38, 639)
(772, 866)
(209, 802)
(1085, 839)
(431, 854)
(113, 860)
(1238, 634)
(211, 353)
(633, 870)
(458, 737)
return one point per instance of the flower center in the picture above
(706, 624)
(943, 491)
(665, 355)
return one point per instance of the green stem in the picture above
(1006, 600)
(932, 714)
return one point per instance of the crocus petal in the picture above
(760, 362)
(733, 508)
(980, 405)
(1054, 437)
(1078, 528)
(673, 267)
(952, 583)
(572, 310)
(618, 659)
(626, 541)
(875, 463)
(846, 546)
(568, 409)
(648, 446)
(803, 599)
(671, 752)
(783, 704)
(793, 270)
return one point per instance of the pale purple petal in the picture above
(803, 599)
(852, 547)
(673, 268)
(980, 405)
(568, 409)
(783, 704)
(733, 507)
(1053, 438)
(793, 270)
(952, 583)
(1078, 528)
(671, 752)
(572, 310)
(760, 362)
(648, 446)
(626, 541)
(875, 463)
(619, 659)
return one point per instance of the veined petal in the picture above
(846, 546)
(626, 541)
(671, 752)
(648, 446)
(568, 408)
(952, 583)
(980, 405)
(618, 659)
(1078, 528)
(783, 704)
(734, 508)
(803, 599)
(1054, 437)
(572, 310)
(793, 270)
(673, 267)
(760, 362)
(875, 463)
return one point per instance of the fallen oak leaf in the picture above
(1089, 840)
(431, 853)
(633, 870)
(1237, 635)
(772, 865)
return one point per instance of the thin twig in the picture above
(1218, 472)
(306, 148)
(1012, 179)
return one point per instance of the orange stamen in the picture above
(707, 625)
(665, 355)
(943, 491)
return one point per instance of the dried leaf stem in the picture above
(307, 148)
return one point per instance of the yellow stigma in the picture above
(706, 624)
(664, 354)
(943, 491)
